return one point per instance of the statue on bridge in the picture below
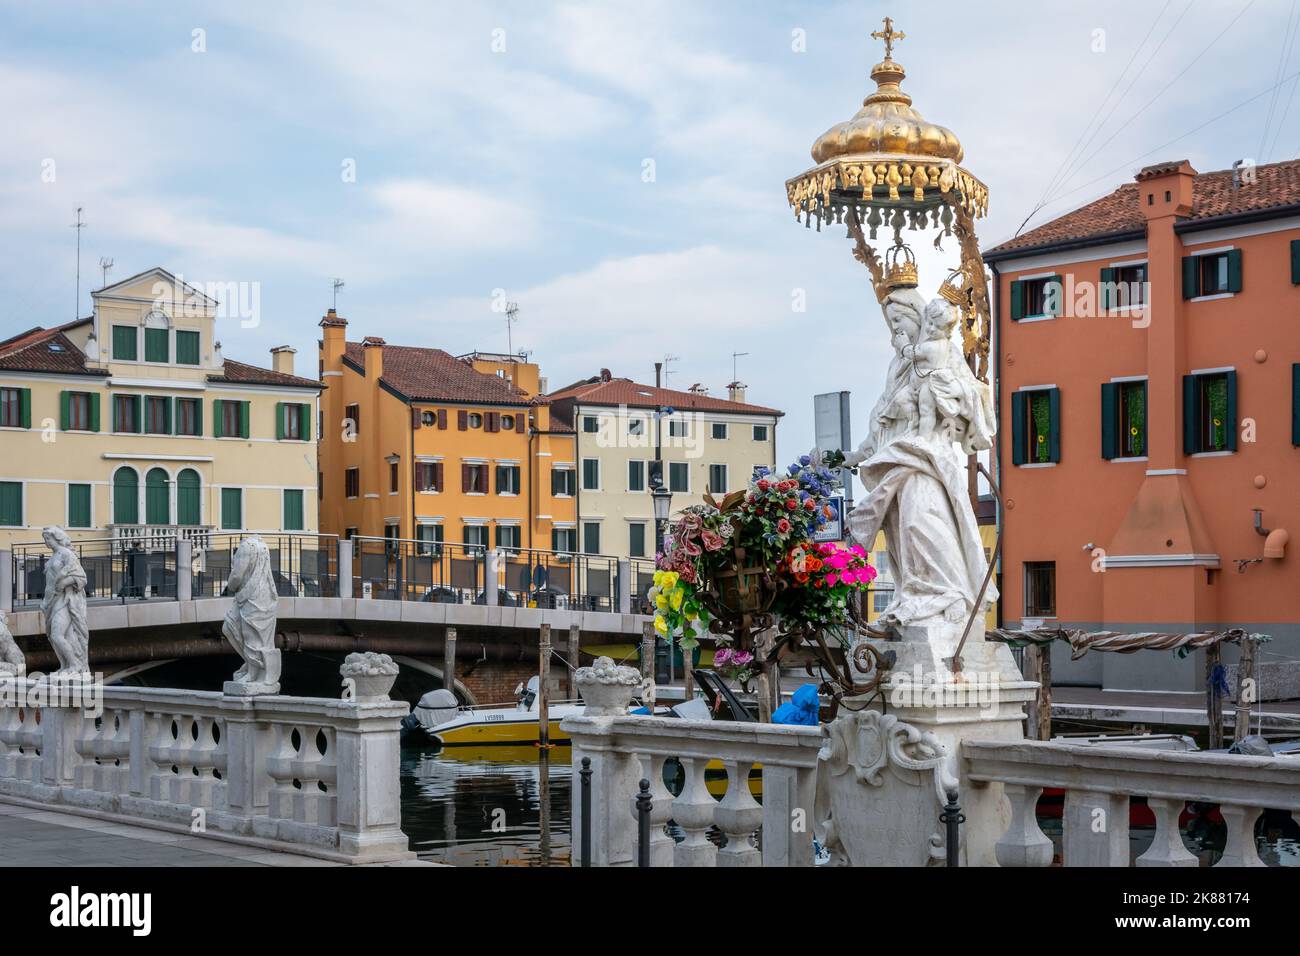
(64, 605)
(250, 623)
(12, 662)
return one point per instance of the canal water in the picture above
(486, 807)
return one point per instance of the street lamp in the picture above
(663, 506)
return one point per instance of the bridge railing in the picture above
(304, 564)
(1099, 782)
(302, 774)
(115, 571)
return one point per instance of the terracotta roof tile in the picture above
(624, 391)
(44, 350)
(432, 375)
(237, 373)
(1213, 194)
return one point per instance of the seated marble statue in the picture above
(249, 625)
(64, 605)
(12, 661)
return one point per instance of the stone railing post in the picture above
(491, 586)
(788, 797)
(661, 810)
(345, 568)
(1094, 829)
(248, 745)
(184, 569)
(1167, 847)
(1024, 843)
(61, 727)
(1239, 849)
(738, 816)
(625, 585)
(369, 784)
(6, 580)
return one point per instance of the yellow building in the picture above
(419, 444)
(882, 589)
(130, 425)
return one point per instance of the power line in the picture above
(1287, 112)
(1282, 58)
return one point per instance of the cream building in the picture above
(130, 425)
(709, 444)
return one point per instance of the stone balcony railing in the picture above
(625, 750)
(1098, 783)
(299, 774)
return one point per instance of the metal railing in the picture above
(303, 564)
(116, 571)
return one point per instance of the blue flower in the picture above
(804, 460)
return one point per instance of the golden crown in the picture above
(900, 269)
(955, 289)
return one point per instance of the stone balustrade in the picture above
(300, 774)
(625, 750)
(1099, 781)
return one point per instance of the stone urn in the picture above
(368, 676)
(607, 688)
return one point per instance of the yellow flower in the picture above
(670, 580)
(679, 595)
(661, 625)
(661, 601)
(659, 578)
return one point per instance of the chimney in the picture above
(333, 341)
(1165, 189)
(373, 348)
(282, 359)
(604, 375)
(736, 392)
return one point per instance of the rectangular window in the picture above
(77, 414)
(717, 479)
(157, 347)
(126, 414)
(564, 482)
(1036, 298)
(1213, 274)
(882, 564)
(679, 476)
(719, 430)
(15, 408)
(232, 509)
(1124, 286)
(352, 483)
(591, 537)
(636, 426)
(1217, 273)
(1036, 426)
(564, 540)
(507, 479)
(158, 415)
(234, 418)
(475, 535)
(760, 433)
(189, 416)
(589, 424)
(293, 421)
(474, 479)
(636, 476)
(430, 537)
(394, 478)
(352, 416)
(510, 537)
(187, 348)
(293, 520)
(1209, 412)
(880, 599)
(1123, 420)
(124, 343)
(590, 474)
(78, 506)
(1040, 589)
(428, 476)
(11, 503)
(678, 428)
(636, 540)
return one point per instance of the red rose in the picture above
(791, 505)
(764, 484)
(809, 505)
(783, 526)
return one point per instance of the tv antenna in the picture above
(105, 264)
(79, 225)
(338, 284)
(734, 356)
(512, 316)
(668, 360)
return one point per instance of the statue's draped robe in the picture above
(65, 605)
(250, 623)
(916, 491)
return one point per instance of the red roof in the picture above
(623, 391)
(237, 373)
(45, 350)
(1276, 186)
(432, 375)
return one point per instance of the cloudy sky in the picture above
(616, 168)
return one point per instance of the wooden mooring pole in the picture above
(1213, 702)
(1247, 688)
(648, 665)
(573, 649)
(449, 661)
(543, 689)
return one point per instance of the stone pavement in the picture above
(35, 837)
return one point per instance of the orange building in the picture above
(418, 444)
(1148, 364)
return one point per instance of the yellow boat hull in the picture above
(501, 733)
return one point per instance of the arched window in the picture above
(157, 507)
(126, 496)
(188, 484)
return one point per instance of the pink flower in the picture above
(832, 579)
(741, 658)
(721, 657)
(783, 526)
(712, 540)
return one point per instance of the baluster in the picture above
(1167, 847)
(693, 810)
(1095, 829)
(661, 810)
(1024, 843)
(1240, 847)
(738, 816)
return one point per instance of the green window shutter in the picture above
(1054, 434)
(1057, 297)
(157, 508)
(305, 429)
(216, 418)
(293, 509)
(139, 414)
(156, 345)
(124, 343)
(1017, 301)
(1234, 270)
(243, 419)
(1017, 428)
(25, 407)
(1295, 402)
(198, 416)
(1106, 295)
(188, 509)
(1295, 261)
(1232, 412)
(1191, 416)
(281, 410)
(1191, 281)
(169, 416)
(1109, 420)
(126, 496)
(11, 503)
(94, 411)
(65, 418)
(117, 426)
(232, 509)
(187, 348)
(78, 506)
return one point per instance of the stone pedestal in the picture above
(885, 772)
(244, 688)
